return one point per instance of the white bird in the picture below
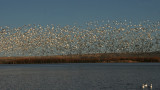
(150, 86)
(143, 86)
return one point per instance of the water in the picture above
(86, 76)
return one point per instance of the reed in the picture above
(86, 58)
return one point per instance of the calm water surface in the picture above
(86, 76)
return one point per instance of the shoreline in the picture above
(85, 58)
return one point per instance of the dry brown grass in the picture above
(86, 58)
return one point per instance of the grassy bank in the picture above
(86, 58)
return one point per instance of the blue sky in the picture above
(20, 12)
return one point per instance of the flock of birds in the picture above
(91, 37)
